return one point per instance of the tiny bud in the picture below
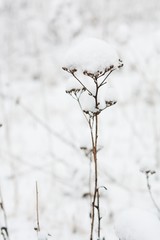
(73, 70)
(83, 148)
(110, 103)
(65, 69)
(85, 195)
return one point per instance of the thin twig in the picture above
(104, 80)
(95, 143)
(99, 214)
(147, 174)
(37, 209)
(82, 84)
(5, 228)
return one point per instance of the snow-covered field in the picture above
(43, 128)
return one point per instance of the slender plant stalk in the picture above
(5, 228)
(90, 183)
(95, 150)
(99, 214)
(92, 118)
(148, 173)
(37, 209)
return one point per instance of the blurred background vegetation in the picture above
(42, 128)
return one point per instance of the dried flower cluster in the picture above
(91, 114)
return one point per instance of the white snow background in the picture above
(43, 129)
(137, 224)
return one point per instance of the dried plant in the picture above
(41, 235)
(37, 228)
(92, 117)
(149, 173)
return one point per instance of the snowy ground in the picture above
(43, 127)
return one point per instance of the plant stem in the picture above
(99, 215)
(37, 209)
(92, 118)
(94, 149)
(150, 193)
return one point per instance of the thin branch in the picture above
(82, 110)
(94, 143)
(103, 82)
(111, 69)
(147, 174)
(37, 209)
(5, 228)
(72, 72)
(99, 214)
(82, 84)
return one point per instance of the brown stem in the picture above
(92, 119)
(99, 214)
(90, 183)
(94, 144)
(94, 137)
(37, 209)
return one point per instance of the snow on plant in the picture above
(137, 224)
(91, 62)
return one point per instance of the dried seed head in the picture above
(65, 69)
(120, 63)
(110, 103)
(73, 70)
(89, 74)
(73, 90)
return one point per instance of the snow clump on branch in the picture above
(92, 56)
(94, 59)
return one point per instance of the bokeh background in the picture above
(43, 128)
